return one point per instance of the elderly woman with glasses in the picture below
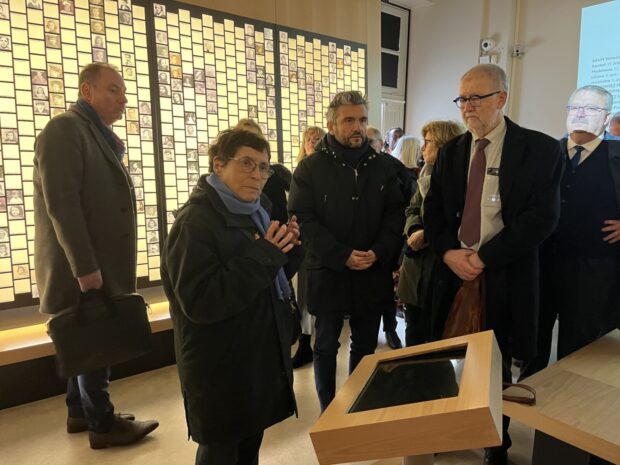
(416, 273)
(225, 269)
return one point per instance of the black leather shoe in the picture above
(122, 433)
(495, 456)
(79, 424)
(393, 340)
(304, 355)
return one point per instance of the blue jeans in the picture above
(88, 397)
(364, 332)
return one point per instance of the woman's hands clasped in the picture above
(285, 236)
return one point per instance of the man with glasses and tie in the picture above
(494, 198)
(580, 262)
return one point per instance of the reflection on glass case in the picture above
(417, 378)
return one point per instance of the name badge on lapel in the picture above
(493, 171)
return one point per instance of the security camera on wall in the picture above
(487, 45)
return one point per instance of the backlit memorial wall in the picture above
(190, 73)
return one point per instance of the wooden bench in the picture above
(577, 412)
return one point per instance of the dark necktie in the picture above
(470, 225)
(577, 157)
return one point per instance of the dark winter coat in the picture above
(339, 209)
(231, 332)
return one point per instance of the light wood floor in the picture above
(34, 434)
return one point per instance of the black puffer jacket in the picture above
(231, 333)
(340, 209)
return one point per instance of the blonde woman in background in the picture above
(416, 274)
(303, 356)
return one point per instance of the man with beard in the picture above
(494, 198)
(350, 209)
(580, 262)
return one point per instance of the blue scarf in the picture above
(117, 145)
(260, 218)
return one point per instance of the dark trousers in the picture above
(584, 294)
(364, 331)
(389, 318)
(244, 452)
(88, 397)
(415, 333)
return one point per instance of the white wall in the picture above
(444, 43)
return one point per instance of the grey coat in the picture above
(84, 212)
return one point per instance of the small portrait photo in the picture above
(260, 71)
(175, 59)
(39, 92)
(132, 114)
(139, 193)
(52, 26)
(124, 5)
(252, 111)
(192, 167)
(292, 76)
(260, 82)
(164, 90)
(146, 134)
(193, 178)
(5, 250)
(209, 46)
(190, 130)
(301, 51)
(150, 211)
(146, 121)
(176, 72)
(283, 47)
(262, 106)
(100, 55)
(98, 41)
(249, 41)
(152, 237)
(302, 116)
(96, 12)
(273, 135)
(124, 17)
(347, 60)
(271, 112)
(38, 77)
(176, 84)
(20, 271)
(332, 57)
(260, 48)
(203, 148)
(56, 85)
(14, 197)
(212, 96)
(332, 47)
(16, 212)
(283, 36)
(284, 59)
(97, 27)
(136, 180)
(58, 100)
(41, 107)
(151, 224)
(192, 155)
(4, 235)
(4, 12)
(211, 83)
(159, 10)
(212, 108)
(9, 136)
(199, 87)
(5, 42)
(161, 37)
(152, 250)
(168, 155)
(162, 64)
(269, 45)
(347, 50)
(164, 77)
(52, 40)
(135, 167)
(161, 50)
(269, 80)
(129, 73)
(190, 117)
(249, 29)
(188, 80)
(271, 102)
(168, 142)
(34, 4)
(177, 97)
(251, 76)
(54, 71)
(2, 204)
(199, 75)
(210, 71)
(250, 54)
(133, 127)
(145, 108)
(170, 217)
(310, 111)
(139, 206)
(128, 59)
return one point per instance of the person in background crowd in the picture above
(225, 270)
(351, 213)
(580, 262)
(85, 233)
(407, 150)
(391, 139)
(417, 270)
(494, 198)
(614, 125)
(310, 138)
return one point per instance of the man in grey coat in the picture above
(85, 233)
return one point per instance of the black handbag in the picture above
(99, 332)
